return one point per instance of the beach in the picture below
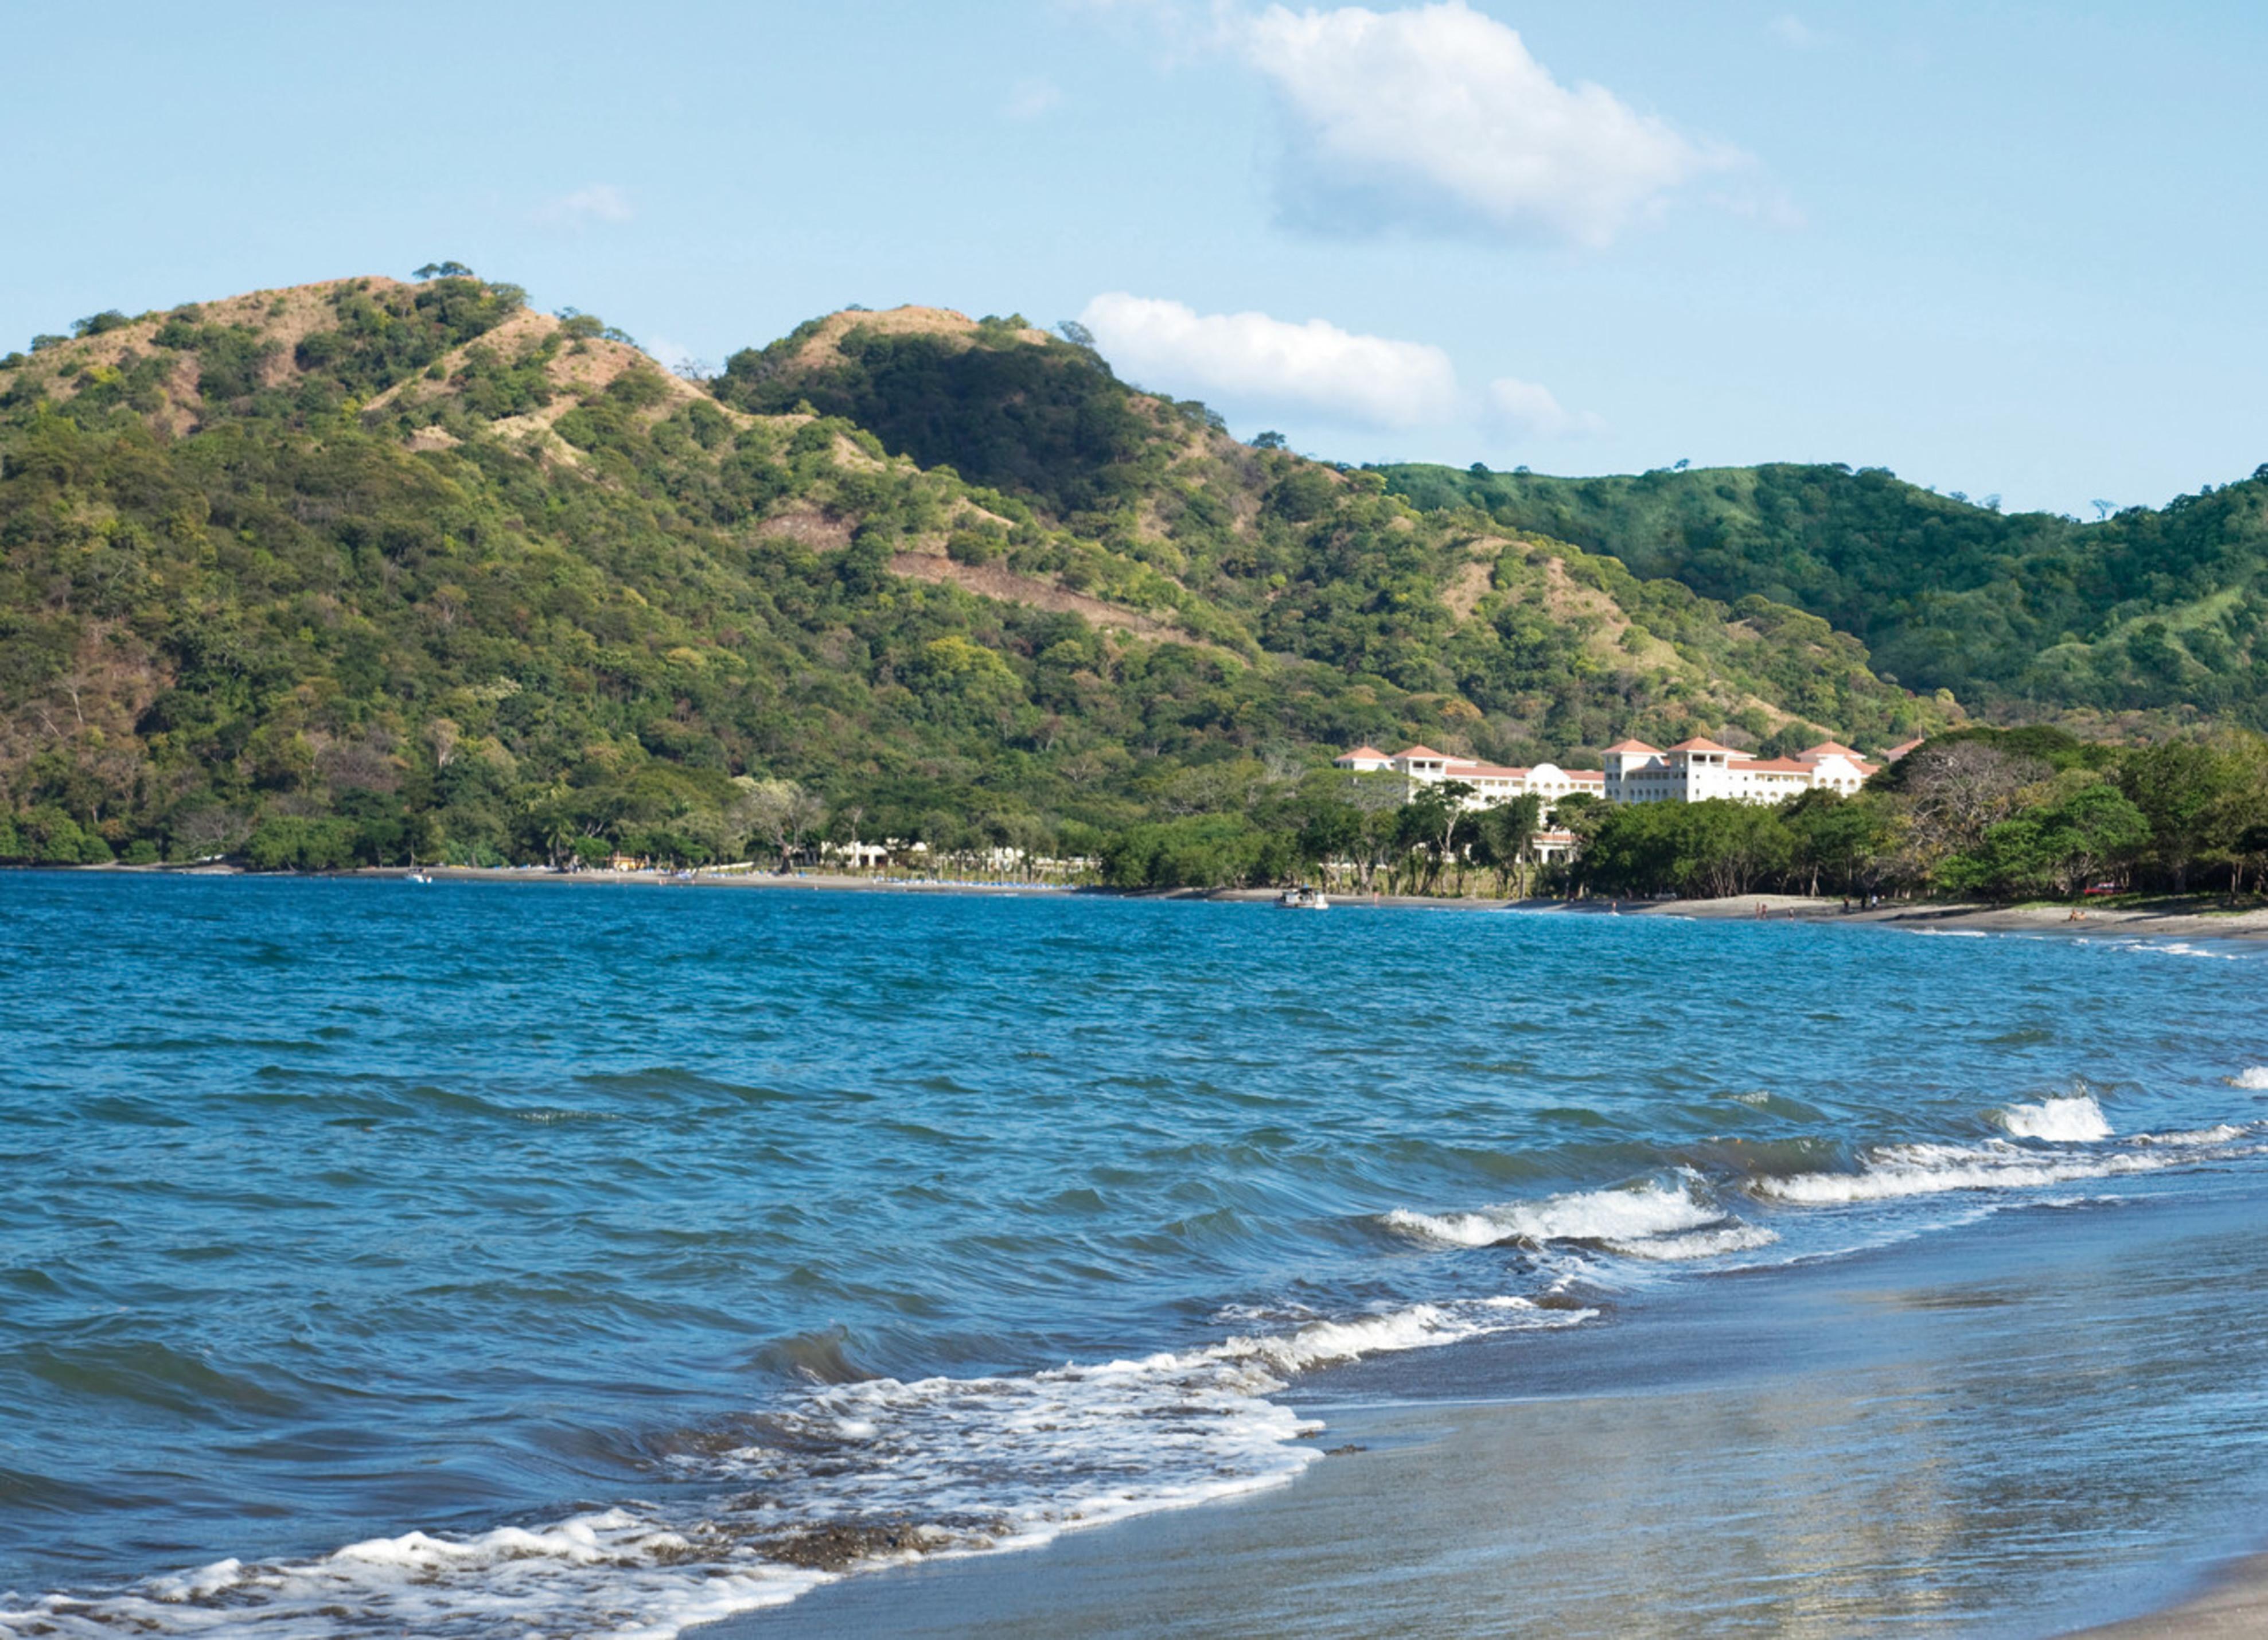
(1783, 1456)
(2173, 920)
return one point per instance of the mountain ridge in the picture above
(411, 562)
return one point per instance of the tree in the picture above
(1330, 830)
(2198, 794)
(1376, 797)
(779, 812)
(1428, 825)
(1958, 791)
(1842, 840)
(1503, 834)
(1726, 847)
(2055, 848)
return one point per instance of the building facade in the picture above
(1691, 771)
(1696, 770)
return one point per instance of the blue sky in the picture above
(2003, 249)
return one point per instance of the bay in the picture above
(569, 1256)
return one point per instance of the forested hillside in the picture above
(2028, 615)
(359, 569)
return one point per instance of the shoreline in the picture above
(2172, 920)
(1515, 1476)
(2232, 1604)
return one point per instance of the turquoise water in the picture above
(468, 1260)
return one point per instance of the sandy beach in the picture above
(2233, 1605)
(1779, 1456)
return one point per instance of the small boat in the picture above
(417, 876)
(1304, 898)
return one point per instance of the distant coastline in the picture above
(2171, 919)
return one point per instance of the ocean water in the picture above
(476, 1260)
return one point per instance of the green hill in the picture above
(368, 566)
(2028, 615)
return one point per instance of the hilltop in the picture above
(2144, 618)
(381, 565)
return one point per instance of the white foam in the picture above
(620, 1573)
(1716, 1242)
(2172, 948)
(2252, 1077)
(1624, 1214)
(1896, 1171)
(2226, 1133)
(2077, 1119)
(979, 1465)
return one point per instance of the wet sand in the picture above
(2175, 920)
(1927, 1436)
(2233, 1606)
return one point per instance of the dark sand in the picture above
(1919, 1438)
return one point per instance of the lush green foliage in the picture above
(374, 571)
(2158, 610)
(2005, 815)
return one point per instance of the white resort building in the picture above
(1691, 771)
(1694, 770)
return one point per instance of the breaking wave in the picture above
(2077, 1119)
(1631, 1216)
(1895, 1170)
(853, 1475)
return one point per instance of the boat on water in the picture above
(1304, 898)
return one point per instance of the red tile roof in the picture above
(1897, 752)
(1632, 746)
(1827, 748)
(1366, 751)
(1422, 751)
(1777, 765)
(1699, 743)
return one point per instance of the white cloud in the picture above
(1528, 410)
(1438, 116)
(1271, 363)
(599, 202)
(1793, 31)
(1268, 366)
(1032, 98)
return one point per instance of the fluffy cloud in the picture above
(1268, 366)
(1253, 360)
(599, 201)
(1438, 117)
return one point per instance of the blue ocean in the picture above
(485, 1259)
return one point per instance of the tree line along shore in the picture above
(1982, 814)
